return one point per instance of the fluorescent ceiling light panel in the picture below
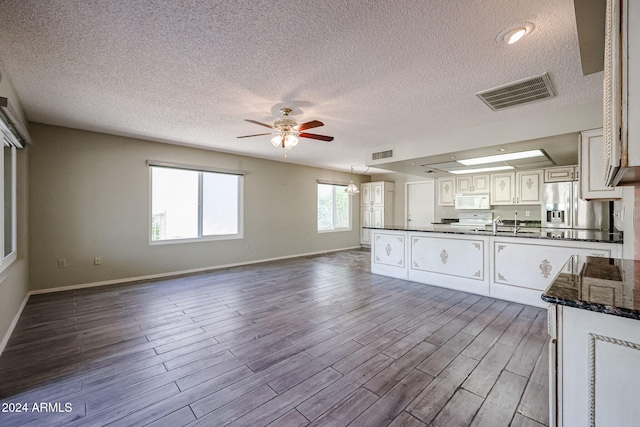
(502, 157)
(496, 168)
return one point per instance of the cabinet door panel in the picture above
(446, 192)
(365, 221)
(365, 192)
(377, 217)
(453, 257)
(503, 189)
(463, 184)
(528, 184)
(592, 179)
(377, 190)
(481, 183)
(533, 266)
(388, 249)
(600, 368)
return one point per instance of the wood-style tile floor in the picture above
(314, 341)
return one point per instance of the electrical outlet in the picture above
(97, 260)
(62, 263)
(527, 213)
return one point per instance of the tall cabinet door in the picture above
(503, 187)
(365, 193)
(365, 221)
(377, 193)
(528, 184)
(446, 191)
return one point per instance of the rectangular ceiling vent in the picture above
(382, 155)
(517, 93)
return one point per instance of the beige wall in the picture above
(14, 281)
(89, 197)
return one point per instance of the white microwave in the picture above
(472, 201)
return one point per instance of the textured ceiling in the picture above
(375, 72)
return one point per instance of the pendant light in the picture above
(352, 189)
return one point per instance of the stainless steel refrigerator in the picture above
(563, 208)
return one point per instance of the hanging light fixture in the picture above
(352, 189)
(286, 140)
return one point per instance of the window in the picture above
(188, 204)
(334, 208)
(8, 235)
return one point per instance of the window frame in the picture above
(7, 260)
(201, 170)
(335, 186)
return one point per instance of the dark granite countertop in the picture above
(605, 285)
(602, 236)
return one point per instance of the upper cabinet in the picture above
(528, 187)
(519, 188)
(561, 174)
(446, 191)
(592, 182)
(621, 121)
(503, 188)
(472, 184)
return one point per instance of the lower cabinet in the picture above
(370, 217)
(511, 268)
(523, 268)
(457, 262)
(594, 368)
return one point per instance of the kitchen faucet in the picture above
(515, 222)
(495, 224)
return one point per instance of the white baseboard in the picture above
(179, 273)
(14, 322)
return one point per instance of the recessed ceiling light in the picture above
(502, 157)
(496, 168)
(515, 33)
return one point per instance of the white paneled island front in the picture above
(515, 267)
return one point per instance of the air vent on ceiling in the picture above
(517, 93)
(382, 155)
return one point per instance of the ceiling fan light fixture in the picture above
(286, 141)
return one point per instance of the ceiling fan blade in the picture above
(315, 136)
(309, 125)
(257, 134)
(258, 123)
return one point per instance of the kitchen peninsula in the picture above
(594, 354)
(512, 266)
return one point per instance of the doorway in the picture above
(420, 203)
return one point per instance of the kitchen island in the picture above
(506, 265)
(594, 363)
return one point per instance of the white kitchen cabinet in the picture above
(454, 261)
(621, 108)
(560, 174)
(596, 372)
(365, 194)
(446, 191)
(376, 207)
(519, 188)
(592, 181)
(503, 188)
(523, 268)
(472, 184)
(528, 187)
(372, 216)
